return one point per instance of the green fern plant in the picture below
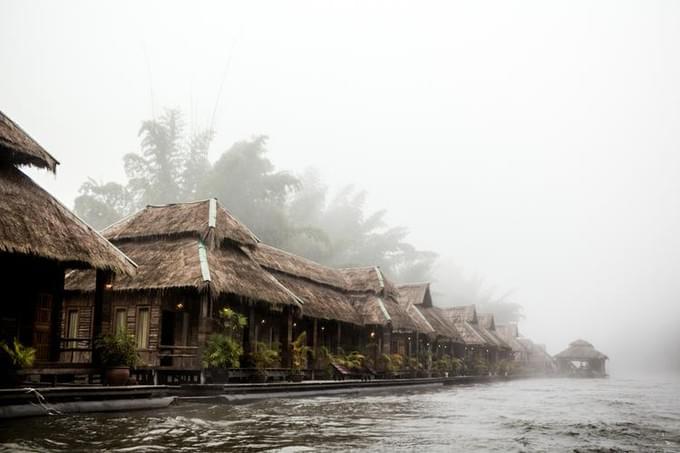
(20, 356)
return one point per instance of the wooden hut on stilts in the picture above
(39, 240)
(194, 258)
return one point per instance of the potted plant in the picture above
(221, 353)
(264, 357)
(223, 349)
(298, 357)
(18, 357)
(117, 354)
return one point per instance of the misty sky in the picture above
(536, 143)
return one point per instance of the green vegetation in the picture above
(223, 349)
(299, 351)
(117, 350)
(292, 212)
(20, 356)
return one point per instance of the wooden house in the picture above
(464, 318)
(39, 240)
(510, 334)
(193, 258)
(581, 359)
(443, 339)
(390, 328)
(487, 325)
(328, 316)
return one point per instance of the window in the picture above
(72, 333)
(120, 320)
(72, 328)
(143, 328)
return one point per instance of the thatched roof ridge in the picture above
(439, 320)
(19, 148)
(33, 222)
(487, 323)
(466, 313)
(415, 293)
(369, 279)
(581, 350)
(185, 263)
(204, 219)
(282, 261)
(464, 318)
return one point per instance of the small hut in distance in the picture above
(581, 359)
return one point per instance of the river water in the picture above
(524, 415)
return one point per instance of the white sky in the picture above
(537, 143)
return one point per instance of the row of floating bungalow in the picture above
(161, 278)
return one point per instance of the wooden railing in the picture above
(183, 357)
(75, 350)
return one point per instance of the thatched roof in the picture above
(442, 325)
(411, 297)
(196, 245)
(184, 263)
(487, 324)
(322, 289)
(204, 219)
(581, 350)
(369, 279)
(464, 318)
(415, 293)
(32, 222)
(288, 263)
(18, 148)
(509, 334)
(376, 298)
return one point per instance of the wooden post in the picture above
(252, 332)
(314, 346)
(338, 347)
(287, 338)
(387, 341)
(98, 311)
(56, 316)
(204, 327)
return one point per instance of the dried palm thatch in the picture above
(509, 333)
(376, 298)
(204, 219)
(369, 280)
(417, 300)
(174, 255)
(442, 325)
(487, 325)
(537, 354)
(323, 289)
(18, 148)
(581, 350)
(465, 319)
(32, 222)
(415, 293)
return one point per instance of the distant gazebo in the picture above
(581, 359)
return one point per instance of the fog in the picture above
(536, 144)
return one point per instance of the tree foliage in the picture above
(294, 213)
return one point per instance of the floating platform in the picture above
(26, 402)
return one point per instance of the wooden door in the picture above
(42, 327)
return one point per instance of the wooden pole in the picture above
(98, 311)
(56, 316)
(314, 345)
(339, 347)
